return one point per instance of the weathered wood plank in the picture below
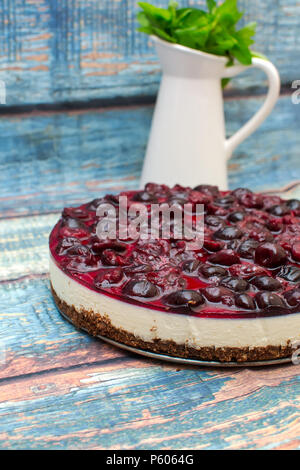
(50, 160)
(34, 337)
(156, 407)
(61, 50)
(24, 246)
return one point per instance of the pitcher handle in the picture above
(264, 110)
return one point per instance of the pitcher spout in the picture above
(181, 61)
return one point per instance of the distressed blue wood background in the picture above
(81, 84)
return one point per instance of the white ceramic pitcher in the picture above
(187, 143)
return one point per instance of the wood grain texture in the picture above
(80, 50)
(60, 388)
(49, 160)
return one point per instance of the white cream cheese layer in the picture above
(149, 324)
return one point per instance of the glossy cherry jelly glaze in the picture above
(248, 266)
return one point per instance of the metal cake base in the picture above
(183, 360)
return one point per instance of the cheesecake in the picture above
(234, 297)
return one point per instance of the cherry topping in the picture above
(212, 271)
(270, 255)
(237, 216)
(144, 196)
(80, 264)
(251, 243)
(290, 273)
(78, 250)
(190, 266)
(136, 288)
(296, 251)
(64, 244)
(218, 294)
(109, 277)
(70, 213)
(279, 210)
(248, 199)
(293, 204)
(224, 257)
(93, 205)
(213, 245)
(247, 249)
(214, 221)
(98, 246)
(225, 201)
(235, 284)
(187, 298)
(245, 301)
(266, 283)
(268, 299)
(111, 258)
(246, 270)
(274, 225)
(228, 233)
(208, 189)
(293, 297)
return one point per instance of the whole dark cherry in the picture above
(270, 255)
(214, 221)
(235, 284)
(266, 283)
(279, 210)
(292, 297)
(224, 257)
(140, 268)
(74, 213)
(213, 245)
(274, 225)
(268, 299)
(64, 244)
(111, 258)
(208, 189)
(109, 277)
(293, 204)
(295, 250)
(225, 201)
(245, 301)
(78, 250)
(144, 196)
(140, 288)
(237, 216)
(240, 192)
(233, 245)
(246, 270)
(228, 233)
(212, 271)
(248, 199)
(290, 273)
(98, 246)
(184, 298)
(218, 294)
(247, 249)
(190, 266)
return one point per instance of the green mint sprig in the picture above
(213, 31)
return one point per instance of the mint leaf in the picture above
(142, 19)
(155, 14)
(211, 5)
(214, 31)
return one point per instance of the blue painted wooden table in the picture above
(80, 88)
